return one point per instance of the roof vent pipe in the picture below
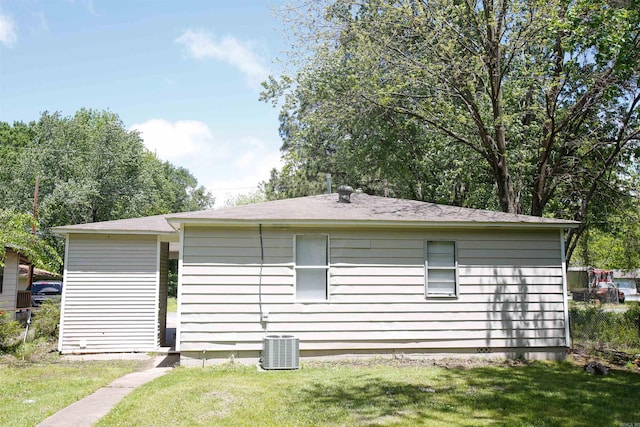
(344, 194)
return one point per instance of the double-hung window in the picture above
(312, 267)
(441, 269)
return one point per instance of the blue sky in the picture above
(185, 74)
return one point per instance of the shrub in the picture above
(45, 321)
(9, 333)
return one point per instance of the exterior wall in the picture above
(511, 293)
(109, 301)
(8, 295)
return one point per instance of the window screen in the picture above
(441, 268)
(311, 267)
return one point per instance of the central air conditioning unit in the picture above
(280, 352)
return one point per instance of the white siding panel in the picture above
(510, 291)
(480, 336)
(376, 326)
(110, 290)
(434, 306)
(336, 317)
(212, 270)
(389, 345)
(510, 280)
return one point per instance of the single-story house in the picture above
(366, 276)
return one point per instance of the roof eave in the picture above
(177, 222)
(67, 231)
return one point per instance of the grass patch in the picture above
(172, 304)
(533, 394)
(29, 393)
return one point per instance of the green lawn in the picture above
(406, 394)
(29, 393)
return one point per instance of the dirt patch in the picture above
(221, 402)
(579, 356)
(33, 352)
(613, 359)
(406, 362)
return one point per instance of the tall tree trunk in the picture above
(506, 192)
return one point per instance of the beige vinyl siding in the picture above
(110, 294)
(510, 291)
(8, 295)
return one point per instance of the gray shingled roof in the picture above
(363, 209)
(156, 224)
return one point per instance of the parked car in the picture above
(608, 292)
(628, 287)
(45, 290)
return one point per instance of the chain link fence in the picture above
(611, 328)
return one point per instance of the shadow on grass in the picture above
(534, 394)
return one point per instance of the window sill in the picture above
(441, 296)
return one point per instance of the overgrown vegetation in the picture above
(9, 333)
(400, 393)
(46, 321)
(595, 328)
(41, 337)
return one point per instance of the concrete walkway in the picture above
(89, 410)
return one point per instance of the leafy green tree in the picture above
(527, 106)
(15, 233)
(257, 196)
(89, 168)
(612, 239)
(172, 188)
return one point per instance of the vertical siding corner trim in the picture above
(156, 332)
(565, 297)
(179, 296)
(64, 293)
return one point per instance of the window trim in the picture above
(311, 267)
(455, 268)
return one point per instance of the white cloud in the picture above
(248, 174)
(8, 35)
(227, 168)
(177, 140)
(201, 45)
(255, 149)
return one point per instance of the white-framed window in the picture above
(312, 267)
(441, 269)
